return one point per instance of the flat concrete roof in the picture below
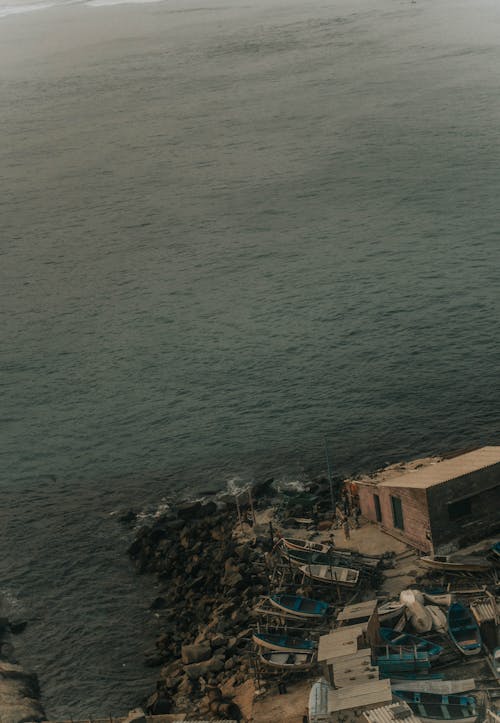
(358, 696)
(438, 472)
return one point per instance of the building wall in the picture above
(415, 512)
(482, 489)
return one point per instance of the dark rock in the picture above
(159, 603)
(196, 653)
(197, 670)
(128, 517)
(17, 626)
(159, 704)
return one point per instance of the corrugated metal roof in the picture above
(448, 469)
(358, 696)
(359, 610)
(395, 713)
(484, 610)
(340, 642)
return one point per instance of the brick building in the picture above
(440, 506)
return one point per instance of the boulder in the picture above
(197, 670)
(136, 715)
(196, 653)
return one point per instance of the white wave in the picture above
(106, 3)
(7, 10)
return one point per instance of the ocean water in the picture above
(228, 229)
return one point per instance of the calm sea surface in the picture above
(227, 230)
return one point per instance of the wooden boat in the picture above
(330, 575)
(287, 661)
(295, 543)
(404, 640)
(463, 629)
(435, 708)
(389, 610)
(302, 607)
(308, 557)
(448, 563)
(283, 643)
(404, 661)
(438, 618)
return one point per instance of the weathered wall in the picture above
(415, 512)
(483, 489)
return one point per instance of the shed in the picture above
(438, 506)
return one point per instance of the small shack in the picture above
(440, 506)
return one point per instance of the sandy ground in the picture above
(287, 708)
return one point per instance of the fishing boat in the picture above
(309, 557)
(448, 563)
(389, 610)
(330, 574)
(287, 661)
(283, 643)
(302, 607)
(405, 640)
(463, 629)
(435, 708)
(295, 543)
(392, 663)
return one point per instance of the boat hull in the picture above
(446, 565)
(287, 646)
(280, 604)
(295, 543)
(330, 575)
(287, 661)
(463, 630)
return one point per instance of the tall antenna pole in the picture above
(328, 466)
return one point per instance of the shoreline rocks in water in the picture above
(19, 690)
(209, 582)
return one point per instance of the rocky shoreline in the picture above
(209, 582)
(212, 563)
